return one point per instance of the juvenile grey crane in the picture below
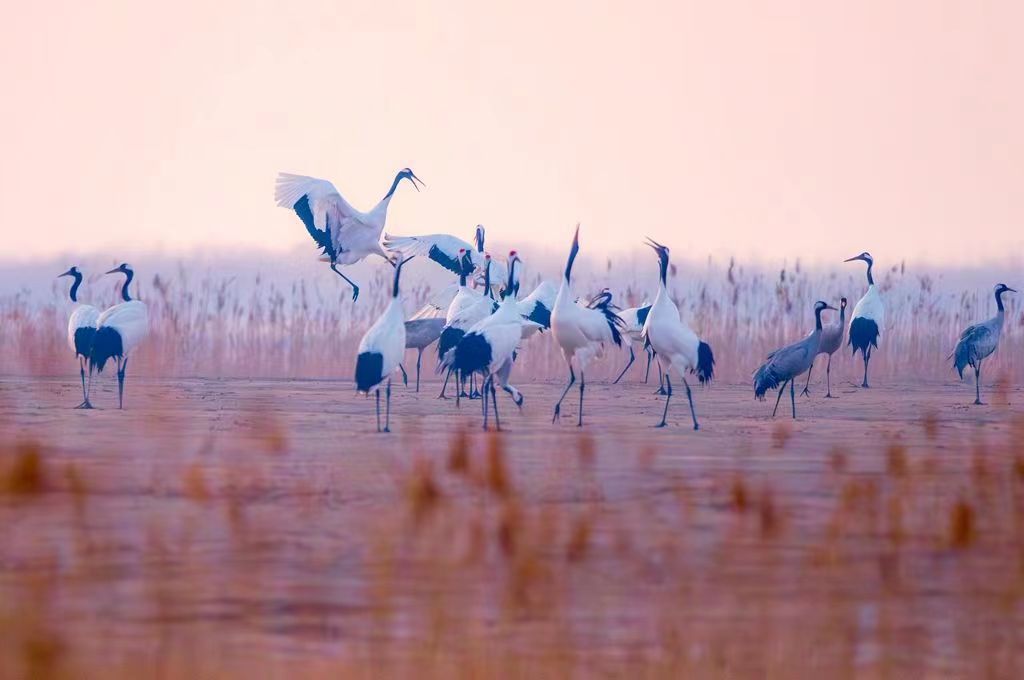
(420, 334)
(979, 341)
(831, 341)
(787, 363)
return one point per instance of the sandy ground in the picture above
(262, 514)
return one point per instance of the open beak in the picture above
(415, 179)
(654, 244)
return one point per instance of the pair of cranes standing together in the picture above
(482, 335)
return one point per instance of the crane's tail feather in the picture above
(369, 370)
(450, 337)
(106, 345)
(705, 363)
(863, 334)
(602, 302)
(472, 354)
(961, 357)
(765, 379)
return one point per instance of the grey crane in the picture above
(831, 341)
(420, 334)
(787, 363)
(979, 341)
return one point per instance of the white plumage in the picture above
(81, 330)
(489, 347)
(119, 330)
(868, 318)
(582, 331)
(381, 349)
(446, 250)
(676, 344)
(344, 234)
(633, 320)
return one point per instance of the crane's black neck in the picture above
(128, 276)
(663, 268)
(510, 289)
(487, 280)
(394, 185)
(999, 298)
(398, 274)
(479, 241)
(871, 280)
(462, 278)
(572, 257)
(817, 317)
(74, 286)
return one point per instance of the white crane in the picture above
(489, 347)
(466, 309)
(446, 250)
(979, 341)
(785, 364)
(381, 349)
(676, 345)
(831, 340)
(81, 329)
(582, 331)
(344, 234)
(119, 330)
(536, 307)
(868, 318)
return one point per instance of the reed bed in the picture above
(244, 323)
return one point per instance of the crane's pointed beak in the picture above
(576, 236)
(831, 307)
(67, 273)
(113, 271)
(415, 179)
(854, 259)
(1008, 289)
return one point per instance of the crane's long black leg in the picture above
(494, 402)
(867, 358)
(483, 402)
(828, 378)
(419, 357)
(632, 357)
(122, 366)
(807, 391)
(647, 374)
(558, 405)
(661, 374)
(792, 397)
(85, 394)
(387, 412)
(445, 385)
(782, 389)
(977, 385)
(355, 288)
(405, 376)
(378, 409)
(583, 384)
(693, 411)
(668, 398)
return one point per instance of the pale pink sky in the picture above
(777, 128)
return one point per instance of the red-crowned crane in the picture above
(582, 331)
(677, 346)
(344, 235)
(868, 318)
(381, 349)
(119, 330)
(81, 329)
(446, 250)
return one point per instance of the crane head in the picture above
(821, 305)
(865, 256)
(73, 271)
(122, 269)
(842, 303)
(1000, 288)
(478, 237)
(407, 173)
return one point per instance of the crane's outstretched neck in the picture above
(871, 280)
(129, 275)
(999, 299)
(73, 293)
(572, 256)
(817, 317)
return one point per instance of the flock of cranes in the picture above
(484, 326)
